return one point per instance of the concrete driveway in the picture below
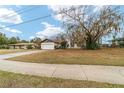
(110, 74)
(5, 56)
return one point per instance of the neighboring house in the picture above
(21, 45)
(105, 45)
(49, 44)
(118, 42)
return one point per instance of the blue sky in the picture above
(29, 30)
(41, 28)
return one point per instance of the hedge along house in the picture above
(50, 44)
(21, 45)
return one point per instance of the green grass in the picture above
(108, 56)
(9, 80)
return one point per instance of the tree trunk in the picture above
(91, 44)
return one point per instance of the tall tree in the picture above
(37, 41)
(14, 40)
(24, 41)
(61, 38)
(92, 25)
(3, 39)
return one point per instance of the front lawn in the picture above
(109, 56)
(19, 80)
(8, 51)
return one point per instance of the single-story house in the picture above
(21, 45)
(49, 44)
(118, 42)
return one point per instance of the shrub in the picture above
(64, 45)
(4, 47)
(29, 47)
(121, 45)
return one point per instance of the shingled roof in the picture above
(49, 40)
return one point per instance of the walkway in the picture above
(110, 74)
(5, 56)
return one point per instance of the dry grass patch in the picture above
(8, 51)
(9, 80)
(109, 56)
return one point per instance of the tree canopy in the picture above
(87, 26)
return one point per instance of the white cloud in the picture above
(47, 24)
(15, 31)
(98, 8)
(9, 16)
(18, 6)
(7, 29)
(56, 8)
(31, 37)
(49, 31)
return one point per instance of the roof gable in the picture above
(47, 40)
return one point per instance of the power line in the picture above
(35, 19)
(13, 13)
(28, 21)
(32, 8)
(19, 12)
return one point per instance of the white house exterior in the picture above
(21, 45)
(48, 45)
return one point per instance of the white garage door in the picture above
(47, 46)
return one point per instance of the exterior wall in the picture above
(57, 46)
(48, 45)
(11, 47)
(17, 47)
(75, 46)
(23, 47)
(20, 46)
